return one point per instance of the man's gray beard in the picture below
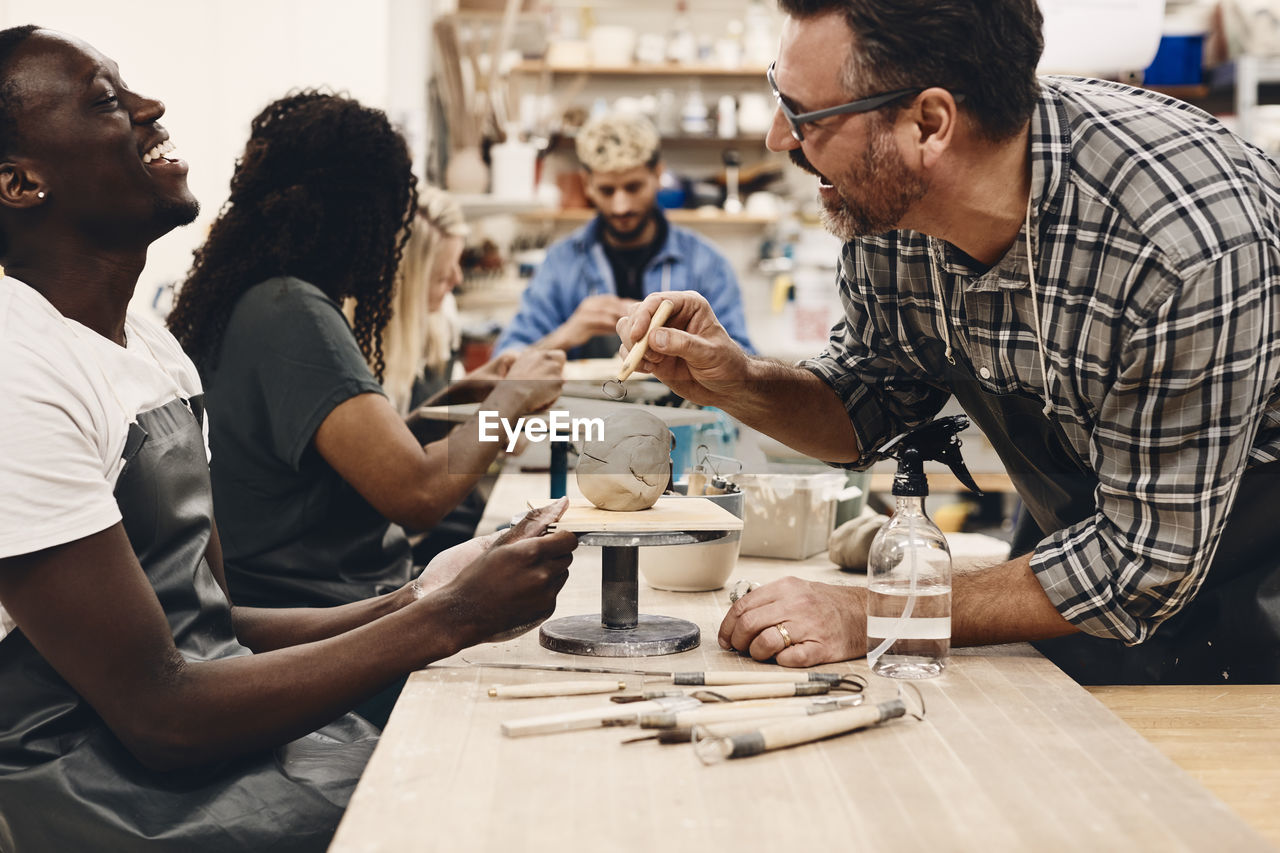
(891, 190)
(839, 222)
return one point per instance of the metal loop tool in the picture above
(613, 388)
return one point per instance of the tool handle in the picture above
(642, 346)
(554, 688)
(726, 728)
(725, 711)
(568, 721)
(728, 713)
(718, 677)
(590, 718)
(775, 690)
(810, 728)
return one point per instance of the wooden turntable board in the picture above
(671, 513)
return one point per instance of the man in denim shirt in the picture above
(591, 278)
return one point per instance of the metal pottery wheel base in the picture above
(619, 630)
(588, 635)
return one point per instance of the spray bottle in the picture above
(909, 565)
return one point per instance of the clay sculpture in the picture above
(629, 468)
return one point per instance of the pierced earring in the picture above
(40, 194)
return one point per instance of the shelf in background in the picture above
(566, 143)
(664, 70)
(680, 217)
(475, 205)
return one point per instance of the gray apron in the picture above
(66, 782)
(1229, 633)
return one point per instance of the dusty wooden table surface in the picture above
(1227, 737)
(1012, 755)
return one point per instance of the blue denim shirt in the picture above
(576, 267)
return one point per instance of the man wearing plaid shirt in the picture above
(1093, 272)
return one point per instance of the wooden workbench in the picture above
(1226, 736)
(1012, 755)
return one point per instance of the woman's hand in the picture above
(486, 376)
(477, 384)
(536, 376)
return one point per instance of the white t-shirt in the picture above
(67, 397)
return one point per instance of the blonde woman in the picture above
(421, 339)
(419, 343)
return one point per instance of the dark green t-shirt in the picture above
(293, 532)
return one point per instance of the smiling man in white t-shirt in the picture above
(140, 707)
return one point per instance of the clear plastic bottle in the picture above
(909, 565)
(909, 595)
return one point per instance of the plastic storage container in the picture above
(1178, 62)
(790, 511)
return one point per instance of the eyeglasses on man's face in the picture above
(862, 105)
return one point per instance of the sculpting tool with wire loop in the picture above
(613, 388)
(837, 680)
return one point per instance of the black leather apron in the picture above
(66, 782)
(1229, 633)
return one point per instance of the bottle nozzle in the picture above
(937, 440)
(953, 460)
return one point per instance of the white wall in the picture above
(216, 63)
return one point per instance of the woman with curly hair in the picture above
(315, 473)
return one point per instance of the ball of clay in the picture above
(850, 543)
(630, 466)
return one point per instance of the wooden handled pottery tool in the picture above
(737, 692)
(846, 681)
(614, 388)
(722, 711)
(592, 718)
(677, 727)
(554, 688)
(791, 732)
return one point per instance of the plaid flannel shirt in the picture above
(1156, 240)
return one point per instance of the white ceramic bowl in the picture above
(694, 568)
(689, 568)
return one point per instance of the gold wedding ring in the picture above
(786, 637)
